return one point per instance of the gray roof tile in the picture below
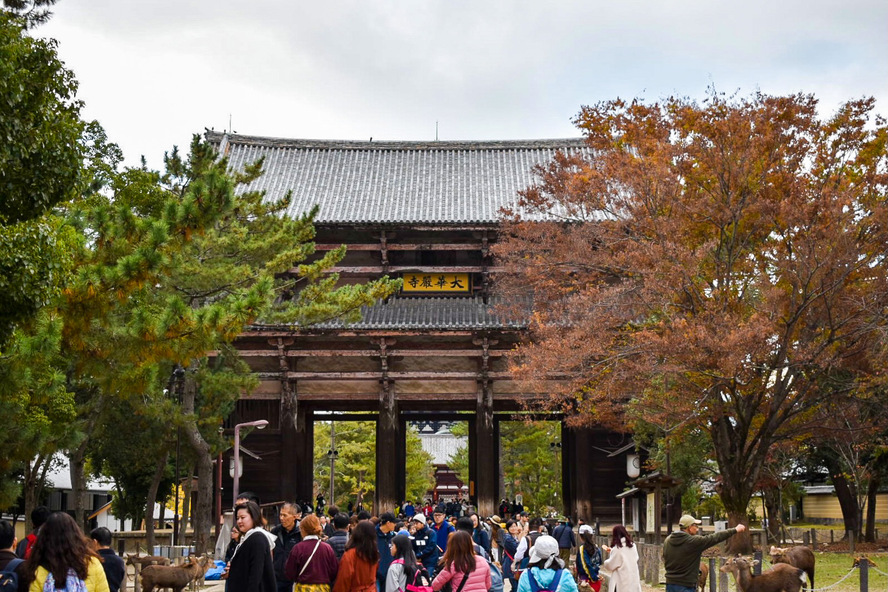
(444, 183)
(460, 313)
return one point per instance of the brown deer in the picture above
(799, 556)
(143, 560)
(703, 576)
(176, 577)
(781, 577)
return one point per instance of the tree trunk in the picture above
(34, 485)
(77, 469)
(847, 499)
(771, 496)
(186, 506)
(740, 470)
(871, 491)
(203, 512)
(152, 499)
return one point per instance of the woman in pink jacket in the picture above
(465, 571)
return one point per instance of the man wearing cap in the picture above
(385, 532)
(425, 544)
(682, 551)
(441, 528)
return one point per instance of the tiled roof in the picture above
(459, 313)
(354, 183)
(423, 313)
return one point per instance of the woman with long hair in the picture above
(357, 570)
(546, 568)
(622, 564)
(404, 567)
(251, 568)
(62, 553)
(588, 560)
(312, 563)
(465, 571)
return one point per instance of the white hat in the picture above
(419, 518)
(587, 528)
(545, 549)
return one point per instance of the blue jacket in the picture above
(442, 533)
(481, 537)
(544, 578)
(564, 534)
(383, 541)
(426, 548)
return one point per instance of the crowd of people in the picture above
(404, 552)
(56, 555)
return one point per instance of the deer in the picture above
(798, 556)
(780, 578)
(143, 560)
(703, 576)
(175, 577)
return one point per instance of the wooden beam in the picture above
(379, 269)
(404, 247)
(365, 353)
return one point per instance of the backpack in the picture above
(552, 587)
(421, 580)
(72, 583)
(9, 577)
(496, 578)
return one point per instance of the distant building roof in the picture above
(442, 446)
(358, 183)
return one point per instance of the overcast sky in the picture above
(155, 72)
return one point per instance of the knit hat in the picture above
(420, 518)
(545, 549)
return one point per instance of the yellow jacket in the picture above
(95, 578)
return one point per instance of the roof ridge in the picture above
(404, 145)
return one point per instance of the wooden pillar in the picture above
(297, 433)
(569, 477)
(388, 459)
(486, 469)
(297, 448)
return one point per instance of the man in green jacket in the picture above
(682, 551)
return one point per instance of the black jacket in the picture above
(115, 569)
(283, 543)
(251, 567)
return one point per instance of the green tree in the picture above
(355, 463)
(530, 461)
(40, 166)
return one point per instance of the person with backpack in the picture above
(425, 543)
(462, 568)
(11, 567)
(38, 517)
(405, 569)
(564, 534)
(522, 555)
(545, 570)
(588, 560)
(62, 558)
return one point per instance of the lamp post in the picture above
(332, 454)
(259, 424)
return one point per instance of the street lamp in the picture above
(258, 424)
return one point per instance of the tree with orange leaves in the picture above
(717, 266)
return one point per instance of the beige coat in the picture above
(621, 568)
